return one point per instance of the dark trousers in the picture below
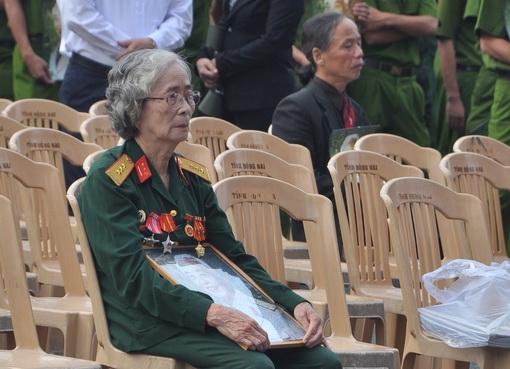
(84, 83)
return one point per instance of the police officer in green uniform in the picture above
(495, 46)
(483, 91)
(387, 88)
(457, 64)
(33, 27)
(143, 192)
(6, 47)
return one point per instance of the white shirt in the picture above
(94, 26)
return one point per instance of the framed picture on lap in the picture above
(208, 271)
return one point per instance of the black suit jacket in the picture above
(307, 118)
(256, 66)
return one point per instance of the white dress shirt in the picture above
(95, 26)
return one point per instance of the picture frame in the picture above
(215, 275)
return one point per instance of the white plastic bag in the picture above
(475, 309)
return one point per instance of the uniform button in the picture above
(229, 29)
(173, 213)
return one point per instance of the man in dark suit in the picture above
(255, 67)
(332, 43)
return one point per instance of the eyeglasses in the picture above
(175, 98)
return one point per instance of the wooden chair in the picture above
(4, 103)
(199, 153)
(211, 132)
(51, 146)
(45, 113)
(237, 162)
(28, 352)
(483, 177)
(413, 205)
(89, 160)
(8, 127)
(403, 151)
(258, 210)
(52, 248)
(107, 354)
(484, 145)
(357, 180)
(98, 108)
(98, 129)
(292, 153)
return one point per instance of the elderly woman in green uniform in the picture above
(141, 192)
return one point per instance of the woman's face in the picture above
(158, 119)
(343, 60)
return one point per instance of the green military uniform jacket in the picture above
(142, 308)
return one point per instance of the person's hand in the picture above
(455, 114)
(237, 326)
(134, 44)
(312, 322)
(208, 72)
(361, 11)
(38, 68)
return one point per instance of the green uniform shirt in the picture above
(404, 52)
(454, 26)
(492, 21)
(142, 308)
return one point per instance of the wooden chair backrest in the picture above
(45, 113)
(211, 132)
(483, 177)
(357, 180)
(98, 129)
(251, 139)
(257, 219)
(14, 279)
(44, 211)
(484, 145)
(4, 103)
(8, 127)
(89, 160)
(403, 151)
(51, 146)
(107, 353)
(235, 162)
(199, 153)
(98, 108)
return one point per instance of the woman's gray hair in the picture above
(317, 32)
(131, 81)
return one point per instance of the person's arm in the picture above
(281, 24)
(36, 65)
(496, 47)
(378, 27)
(292, 123)
(215, 12)
(455, 111)
(170, 34)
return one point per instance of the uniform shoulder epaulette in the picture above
(120, 169)
(193, 167)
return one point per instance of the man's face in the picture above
(341, 63)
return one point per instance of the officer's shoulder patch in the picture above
(120, 169)
(193, 167)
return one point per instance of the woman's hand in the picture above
(312, 322)
(237, 326)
